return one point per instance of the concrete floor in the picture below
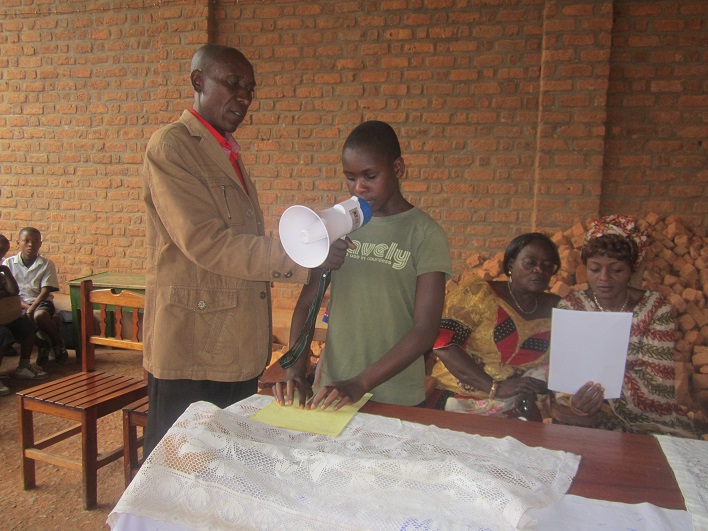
(56, 501)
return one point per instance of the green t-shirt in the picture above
(372, 298)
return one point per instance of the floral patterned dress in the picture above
(648, 402)
(499, 339)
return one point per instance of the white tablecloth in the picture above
(689, 460)
(218, 469)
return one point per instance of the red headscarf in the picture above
(624, 226)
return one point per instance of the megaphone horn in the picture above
(307, 235)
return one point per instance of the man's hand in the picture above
(284, 392)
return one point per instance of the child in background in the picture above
(37, 278)
(386, 300)
(13, 325)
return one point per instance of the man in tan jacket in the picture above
(209, 263)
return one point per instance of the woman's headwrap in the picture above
(624, 226)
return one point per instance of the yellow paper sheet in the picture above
(327, 422)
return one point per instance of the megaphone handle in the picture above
(304, 338)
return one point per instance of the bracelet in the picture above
(577, 411)
(493, 390)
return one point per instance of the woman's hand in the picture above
(588, 399)
(463, 367)
(523, 385)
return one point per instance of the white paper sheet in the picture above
(588, 346)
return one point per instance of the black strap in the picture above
(302, 344)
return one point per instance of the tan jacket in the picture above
(209, 264)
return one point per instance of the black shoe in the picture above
(42, 357)
(60, 354)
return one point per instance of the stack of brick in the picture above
(675, 265)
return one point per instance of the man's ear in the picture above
(197, 78)
(399, 166)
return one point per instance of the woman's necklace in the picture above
(508, 286)
(597, 302)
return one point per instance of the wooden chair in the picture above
(84, 397)
(134, 416)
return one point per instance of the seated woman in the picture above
(614, 248)
(492, 349)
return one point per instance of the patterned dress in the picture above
(499, 339)
(648, 403)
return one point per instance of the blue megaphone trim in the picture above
(365, 210)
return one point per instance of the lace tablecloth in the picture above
(219, 469)
(689, 460)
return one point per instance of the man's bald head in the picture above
(223, 82)
(210, 53)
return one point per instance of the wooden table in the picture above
(620, 467)
(616, 467)
(109, 280)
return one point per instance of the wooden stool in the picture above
(134, 415)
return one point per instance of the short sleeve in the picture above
(50, 278)
(434, 253)
(452, 332)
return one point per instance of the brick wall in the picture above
(657, 102)
(513, 115)
(83, 85)
(572, 115)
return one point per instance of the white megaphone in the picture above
(307, 235)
